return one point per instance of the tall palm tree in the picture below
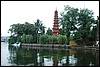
(39, 28)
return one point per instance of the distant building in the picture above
(55, 26)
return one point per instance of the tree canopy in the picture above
(26, 32)
(49, 31)
(80, 21)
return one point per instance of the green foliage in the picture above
(77, 36)
(31, 30)
(50, 39)
(61, 39)
(23, 38)
(44, 39)
(49, 31)
(54, 39)
(61, 31)
(27, 38)
(79, 21)
(39, 26)
(12, 39)
(18, 38)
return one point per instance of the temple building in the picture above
(55, 24)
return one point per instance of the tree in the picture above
(12, 39)
(39, 28)
(17, 30)
(49, 31)
(20, 29)
(77, 20)
(29, 30)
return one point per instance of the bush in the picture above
(55, 39)
(61, 39)
(27, 38)
(23, 38)
(44, 39)
(48, 39)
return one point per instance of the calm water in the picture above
(12, 56)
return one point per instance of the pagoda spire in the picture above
(55, 24)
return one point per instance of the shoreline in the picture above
(58, 47)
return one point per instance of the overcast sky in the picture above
(13, 12)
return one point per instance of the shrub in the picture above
(44, 39)
(23, 38)
(61, 39)
(48, 39)
(27, 38)
(54, 39)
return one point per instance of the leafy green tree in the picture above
(77, 20)
(61, 31)
(18, 30)
(49, 31)
(39, 26)
(12, 39)
(18, 38)
(30, 30)
(39, 29)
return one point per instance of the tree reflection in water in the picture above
(51, 57)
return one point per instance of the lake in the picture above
(18, 56)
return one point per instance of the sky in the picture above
(13, 12)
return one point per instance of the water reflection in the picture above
(45, 57)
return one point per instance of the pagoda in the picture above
(55, 24)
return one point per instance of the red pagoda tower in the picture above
(55, 26)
